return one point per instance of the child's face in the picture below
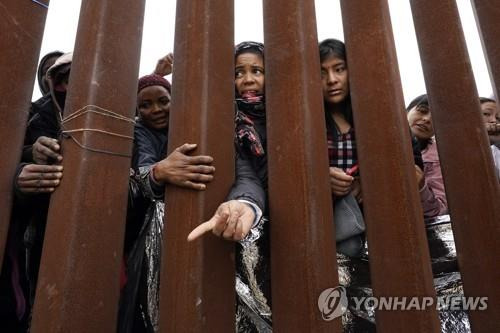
(491, 118)
(490, 112)
(334, 80)
(249, 74)
(153, 103)
(419, 119)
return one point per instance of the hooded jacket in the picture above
(44, 113)
(29, 212)
(41, 73)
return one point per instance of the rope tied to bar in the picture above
(41, 4)
(94, 110)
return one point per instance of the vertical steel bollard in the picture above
(78, 285)
(198, 279)
(399, 255)
(302, 232)
(22, 24)
(472, 189)
(488, 18)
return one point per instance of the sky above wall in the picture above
(159, 28)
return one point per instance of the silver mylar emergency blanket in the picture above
(254, 313)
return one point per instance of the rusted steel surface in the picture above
(198, 279)
(78, 286)
(303, 261)
(22, 24)
(471, 186)
(488, 21)
(399, 255)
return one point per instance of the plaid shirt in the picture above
(342, 151)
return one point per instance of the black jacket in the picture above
(29, 212)
(42, 121)
(150, 146)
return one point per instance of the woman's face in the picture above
(419, 119)
(335, 80)
(153, 103)
(490, 112)
(249, 74)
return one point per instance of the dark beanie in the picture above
(152, 80)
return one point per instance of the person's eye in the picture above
(258, 71)
(323, 73)
(486, 114)
(340, 69)
(144, 105)
(238, 74)
(164, 101)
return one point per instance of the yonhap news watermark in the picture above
(333, 303)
